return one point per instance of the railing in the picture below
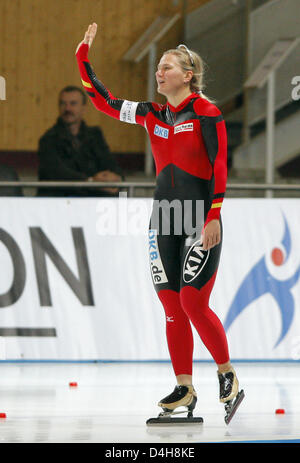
(131, 186)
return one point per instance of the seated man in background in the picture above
(70, 150)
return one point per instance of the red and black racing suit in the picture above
(189, 145)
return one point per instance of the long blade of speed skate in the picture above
(235, 405)
(167, 421)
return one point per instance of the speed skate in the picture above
(230, 395)
(182, 396)
(231, 406)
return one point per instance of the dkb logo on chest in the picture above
(161, 131)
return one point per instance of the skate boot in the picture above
(182, 396)
(229, 393)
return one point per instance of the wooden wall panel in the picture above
(38, 39)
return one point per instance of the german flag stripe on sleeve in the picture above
(215, 205)
(86, 84)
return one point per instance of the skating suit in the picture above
(189, 146)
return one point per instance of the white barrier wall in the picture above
(70, 291)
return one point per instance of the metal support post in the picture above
(151, 96)
(270, 132)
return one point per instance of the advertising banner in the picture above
(75, 280)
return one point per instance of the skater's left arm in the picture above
(215, 139)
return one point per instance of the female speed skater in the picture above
(189, 144)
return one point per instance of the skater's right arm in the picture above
(124, 110)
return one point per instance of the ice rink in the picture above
(112, 402)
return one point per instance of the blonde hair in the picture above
(190, 61)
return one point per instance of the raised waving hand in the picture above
(89, 36)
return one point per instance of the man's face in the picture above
(71, 107)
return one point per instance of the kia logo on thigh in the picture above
(194, 261)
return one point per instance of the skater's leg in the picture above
(195, 303)
(206, 322)
(180, 343)
(165, 264)
(199, 271)
(179, 336)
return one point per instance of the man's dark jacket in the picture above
(63, 156)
